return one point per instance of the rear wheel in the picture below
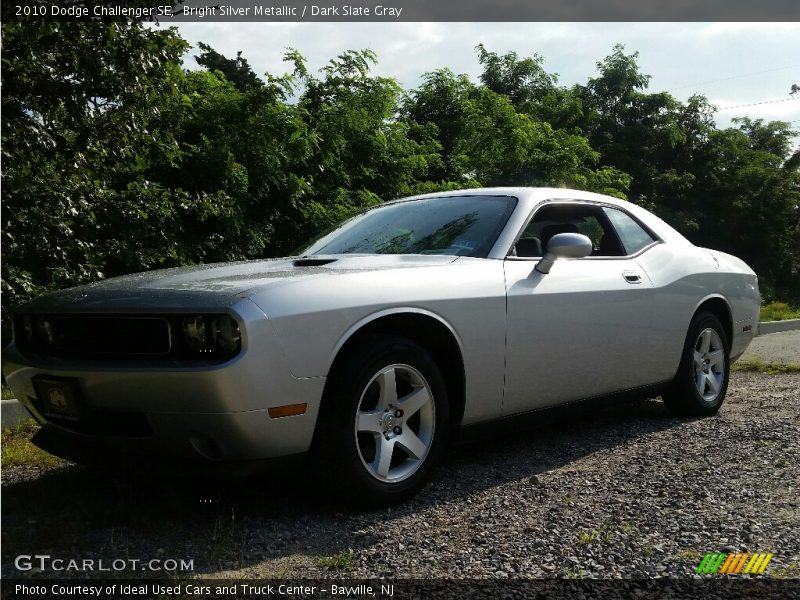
(384, 423)
(701, 382)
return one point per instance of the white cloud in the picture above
(738, 62)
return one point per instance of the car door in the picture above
(581, 330)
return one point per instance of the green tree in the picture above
(117, 160)
(237, 70)
(530, 88)
(634, 131)
(360, 153)
(751, 202)
(733, 189)
(486, 140)
(81, 122)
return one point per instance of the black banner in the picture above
(708, 588)
(365, 11)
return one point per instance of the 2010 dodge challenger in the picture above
(381, 339)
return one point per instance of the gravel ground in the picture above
(629, 493)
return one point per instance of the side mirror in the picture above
(564, 245)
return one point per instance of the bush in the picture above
(778, 311)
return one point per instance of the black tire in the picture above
(341, 453)
(683, 397)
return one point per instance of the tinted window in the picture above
(569, 218)
(460, 225)
(633, 236)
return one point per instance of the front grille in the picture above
(61, 335)
(207, 338)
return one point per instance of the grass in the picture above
(778, 311)
(629, 528)
(758, 365)
(224, 548)
(17, 449)
(570, 573)
(8, 394)
(690, 554)
(341, 561)
(587, 537)
(605, 534)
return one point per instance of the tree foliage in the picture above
(82, 122)
(116, 159)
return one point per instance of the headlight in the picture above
(212, 334)
(27, 329)
(226, 334)
(47, 331)
(194, 330)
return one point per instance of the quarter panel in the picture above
(684, 277)
(739, 285)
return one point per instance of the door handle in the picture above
(632, 277)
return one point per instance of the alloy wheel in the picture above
(709, 364)
(395, 423)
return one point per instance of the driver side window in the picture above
(557, 218)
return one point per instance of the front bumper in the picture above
(133, 456)
(211, 413)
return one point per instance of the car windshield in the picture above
(455, 225)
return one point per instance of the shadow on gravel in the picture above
(77, 512)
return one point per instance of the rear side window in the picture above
(560, 217)
(633, 236)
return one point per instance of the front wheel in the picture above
(384, 423)
(701, 382)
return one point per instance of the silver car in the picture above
(369, 350)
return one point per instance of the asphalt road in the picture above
(783, 347)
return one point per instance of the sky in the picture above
(733, 64)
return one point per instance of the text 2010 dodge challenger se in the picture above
(370, 349)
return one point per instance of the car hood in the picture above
(216, 283)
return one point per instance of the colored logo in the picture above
(720, 562)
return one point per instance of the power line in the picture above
(688, 85)
(758, 103)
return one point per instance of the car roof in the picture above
(523, 193)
